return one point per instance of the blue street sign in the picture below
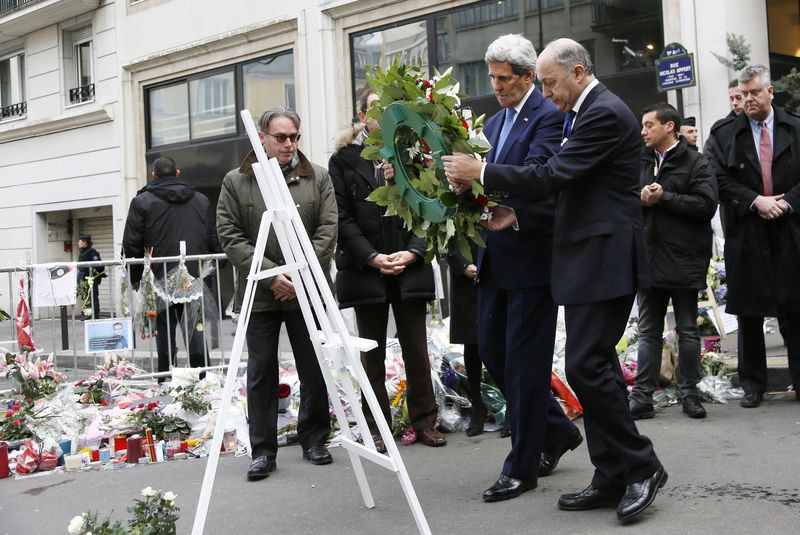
(675, 68)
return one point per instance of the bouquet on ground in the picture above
(37, 378)
(153, 514)
(436, 100)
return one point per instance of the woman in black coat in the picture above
(380, 263)
(464, 330)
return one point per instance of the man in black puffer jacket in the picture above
(165, 212)
(679, 198)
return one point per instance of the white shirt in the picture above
(662, 156)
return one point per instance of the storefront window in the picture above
(269, 82)
(623, 36)
(169, 115)
(213, 105)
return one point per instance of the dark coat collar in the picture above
(351, 155)
(781, 129)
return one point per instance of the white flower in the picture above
(169, 496)
(148, 491)
(76, 524)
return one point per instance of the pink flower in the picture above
(9, 414)
(17, 423)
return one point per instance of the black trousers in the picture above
(165, 339)
(620, 455)
(753, 354)
(517, 333)
(652, 310)
(409, 317)
(313, 421)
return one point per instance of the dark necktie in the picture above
(568, 120)
(765, 155)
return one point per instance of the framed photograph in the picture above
(111, 334)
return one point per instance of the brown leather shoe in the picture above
(432, 437)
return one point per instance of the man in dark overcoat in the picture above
(757, 160)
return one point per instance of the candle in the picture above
(105, 455)
(73, 462)
(65, 445)
(3, 460)
(95, 455)
(120, 442)
(151, 450)
(134, 447)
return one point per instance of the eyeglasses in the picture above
(281, 138)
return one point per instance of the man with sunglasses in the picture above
(239, 214)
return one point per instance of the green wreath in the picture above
(422, 120)
(398, 115)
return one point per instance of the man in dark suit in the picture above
(516, 312)
(599, 259)
(756, 156)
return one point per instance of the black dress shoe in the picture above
(551, 457)
(751, 400)
(260, 468)
(589, 498)
(640, 411)
(476, 419)
(505, 431)
(318, 454)
(506, 488)
(638, 496)
(692, 406)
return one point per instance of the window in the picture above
(205, 105)
(269, 82)
(79, 65)
(12, 86)
(622, 36)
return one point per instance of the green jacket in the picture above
(239, 212)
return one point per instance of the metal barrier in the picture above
(71, 326)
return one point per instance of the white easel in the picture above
(333, 345)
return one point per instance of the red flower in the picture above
(15, 408)
(426, 83)
(153, 405)
(17, 423)
(9, 414)
(424, 145)
(284, 390)
(482, 200)
(29, 400)
(103, 403)
(464, 124)
(141, 405)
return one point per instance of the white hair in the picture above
(568, 53)
(752, 72)
(513, 49)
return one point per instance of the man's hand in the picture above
(282, 288)
(388, 170)
(503, 217)
(460, 170)
(651, 194)
(771, 207)
(471, 271)
(379, 262)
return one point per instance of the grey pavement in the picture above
(735, 472)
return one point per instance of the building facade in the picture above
(92, 91)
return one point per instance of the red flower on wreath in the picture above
(284, 390)
(482, 200)
(465, 124)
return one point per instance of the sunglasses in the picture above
(281, 138)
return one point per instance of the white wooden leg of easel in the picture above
(230, 381)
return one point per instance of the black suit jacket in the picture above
(599, 249)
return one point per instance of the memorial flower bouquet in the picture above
(13, 421)
(37, 378)
(155, 513)
(438, 100)
(151, 415)
(148, 300)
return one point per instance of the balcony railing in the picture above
(11, 5)
(80, 94)
(14, 110)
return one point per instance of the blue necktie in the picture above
(568, 124)
(510, 114)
